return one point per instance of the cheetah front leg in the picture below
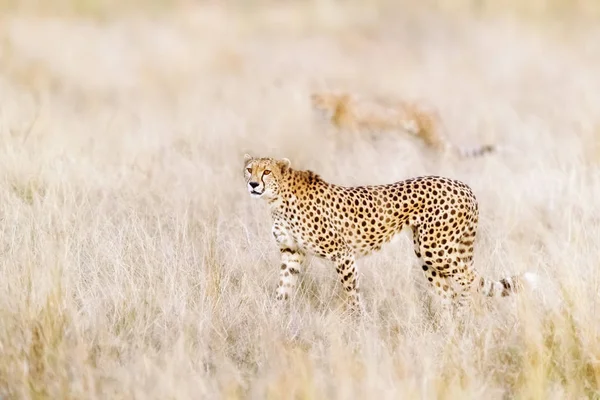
(291, 262)
(345, 266)
(291, 266)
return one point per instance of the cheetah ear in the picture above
(286, 163)
(247, 157)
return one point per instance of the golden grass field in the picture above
(134, 263)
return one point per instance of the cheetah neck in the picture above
(342, 116)
(294, 184)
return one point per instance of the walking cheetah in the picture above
(342, 224)
(349, 112)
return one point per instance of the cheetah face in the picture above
(327, 103)
(323, 105)
(262, 175)
(323, 114)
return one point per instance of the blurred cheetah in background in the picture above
(352, 113)
(342, 224)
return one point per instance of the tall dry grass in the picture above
(135, 265)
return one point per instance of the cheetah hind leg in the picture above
(438, 279)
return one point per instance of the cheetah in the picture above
(352, 113)
(342, 224)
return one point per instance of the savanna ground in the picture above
(135, 265)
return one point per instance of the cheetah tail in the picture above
(475, 152)
(507, 286)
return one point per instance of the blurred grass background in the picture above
(535, 9)
(134, 265)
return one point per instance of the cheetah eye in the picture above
(249, 170)
(267, 172)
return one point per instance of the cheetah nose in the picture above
(253, 185)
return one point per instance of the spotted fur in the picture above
(349, 112)
(342, 224)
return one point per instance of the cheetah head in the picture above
(327, 103)
(262, 175)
